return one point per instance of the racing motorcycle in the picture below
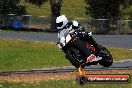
(76, 49)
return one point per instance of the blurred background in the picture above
(100, 17)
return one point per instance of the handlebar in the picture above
(79, 33)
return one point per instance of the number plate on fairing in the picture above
(68, 38)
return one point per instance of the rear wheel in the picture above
(75, 58)
(107, 59)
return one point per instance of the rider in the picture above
(63, 23)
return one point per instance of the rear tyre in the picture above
(107, 59)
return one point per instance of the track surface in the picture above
(119, 65)
(121, 41)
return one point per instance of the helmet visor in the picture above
(59, 24)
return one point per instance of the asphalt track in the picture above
(118, 65)
(120, 41)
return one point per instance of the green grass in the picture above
(40, 20)
(61, 84)
(74, 8)
(120, 53)
(71, 8)
(34, 10)
(18, 55)
(25, 55)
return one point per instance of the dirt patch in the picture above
(55, 76)
(37, 77)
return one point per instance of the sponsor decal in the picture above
(68, 38)
(91, 58)
(113, 78)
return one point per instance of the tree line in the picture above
(98, 9)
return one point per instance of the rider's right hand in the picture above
(59, 46)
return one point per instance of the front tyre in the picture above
(107, 59)
(72, 55)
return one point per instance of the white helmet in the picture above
(61, 21)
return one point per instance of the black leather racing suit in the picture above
(85, 35)
(80, 30)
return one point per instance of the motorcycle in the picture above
(76, 49)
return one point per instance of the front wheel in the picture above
(107, 59)
(75, 57)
